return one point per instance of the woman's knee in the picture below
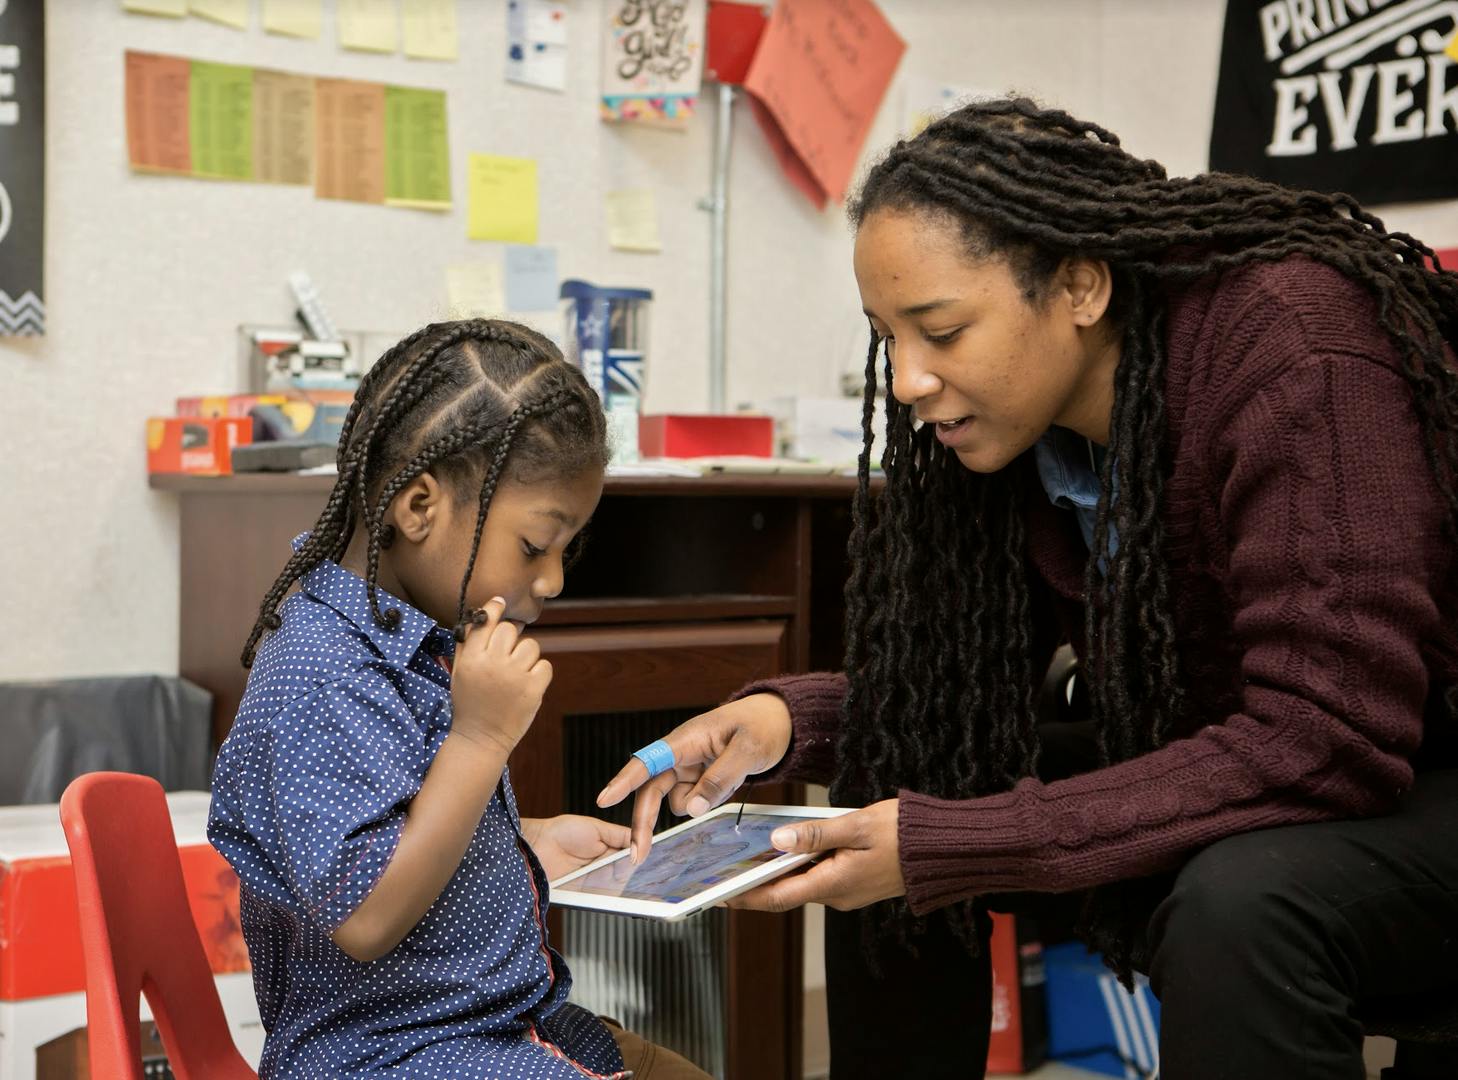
(1242, 894)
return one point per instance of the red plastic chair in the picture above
(138, 934)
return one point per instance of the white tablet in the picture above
(691, 866)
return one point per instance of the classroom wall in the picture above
(148, 277)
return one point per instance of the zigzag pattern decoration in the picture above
(23, 317)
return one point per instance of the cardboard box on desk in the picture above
(42, 971)
(682, 435)
(197, 445)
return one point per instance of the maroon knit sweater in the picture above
(1314, 599)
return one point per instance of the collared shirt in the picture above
(1068, 466)
(340, 721)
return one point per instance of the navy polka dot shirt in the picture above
(339, 723)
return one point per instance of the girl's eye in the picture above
(531, 550)
(943, 339)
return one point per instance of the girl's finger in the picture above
(490, 616)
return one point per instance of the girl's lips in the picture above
(951, 434)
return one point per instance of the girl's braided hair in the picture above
(938, 629)
(470, 401)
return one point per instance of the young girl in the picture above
(1205, 430)
(393, 901)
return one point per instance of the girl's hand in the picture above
(712, 753)
(497, 681)
(567, 842)
(864, 865)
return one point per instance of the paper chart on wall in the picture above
(283, 128)
(349, 140)
(293, 18)
(817, 79)
(536, 43)
(220, 121)
(417, 159)
(652, 60)
(430, 29)
(157, 89)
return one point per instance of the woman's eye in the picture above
(531, 550)
(943, 339)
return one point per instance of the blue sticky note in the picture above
(531, 278)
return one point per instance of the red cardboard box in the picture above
(676, 435)
(42, 970)
(198, 445)
(40, 931)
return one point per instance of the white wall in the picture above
(148, 277)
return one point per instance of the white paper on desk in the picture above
(536, 43)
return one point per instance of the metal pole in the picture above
(718, 206)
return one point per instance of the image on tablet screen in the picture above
(685, 865)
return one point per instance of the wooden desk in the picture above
(689, 588)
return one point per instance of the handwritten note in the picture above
(475, 290)
(503, 199)
(349, 140)
(652, 60)
(417, 160)
(633, 220)
(232, 13)
(157, 112)
(173, 9)
(220, 121)
(820, 72)
(430, 29)
(283, 128)
(531, 278)
(368, 25)
(293, 18)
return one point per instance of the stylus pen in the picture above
(738, 816)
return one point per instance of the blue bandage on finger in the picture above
(657, 757)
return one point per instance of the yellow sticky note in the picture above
(633, 220)
(174, 8)
(295, 18)
(1452, 49)
(475, 290)
(368, 25)
(503, 199)
(430, 29)
(232, 13)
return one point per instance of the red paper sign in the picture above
(819, 75)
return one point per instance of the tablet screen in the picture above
(685, 864)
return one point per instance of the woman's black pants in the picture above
(1262, 956)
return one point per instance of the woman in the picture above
(1204, 430)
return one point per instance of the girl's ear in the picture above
(417, 509)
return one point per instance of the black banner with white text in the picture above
(22, 166)
(1359, 96)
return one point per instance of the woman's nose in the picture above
(912, 380)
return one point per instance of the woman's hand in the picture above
(568, 842)
(864, 864)
(713, 754)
